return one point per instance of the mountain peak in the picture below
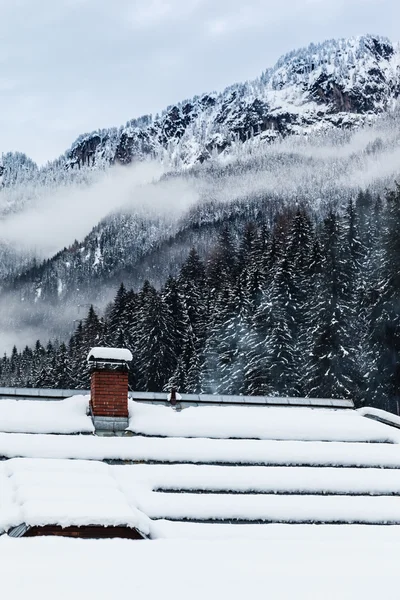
(340, 83)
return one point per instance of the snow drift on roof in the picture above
(272, 508)
(282, 494)
(200, 450)
(42, 416)
(274, 423)
(66, 493)
(135, 479)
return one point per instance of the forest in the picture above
(307, 306)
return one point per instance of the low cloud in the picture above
(322, 169)
(60, 216)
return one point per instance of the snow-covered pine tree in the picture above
(45, 378)
(281, 367)
(62, 376)
(116, 319)
(384, 379)
(155, 356)
(332, 368)
(300, 256)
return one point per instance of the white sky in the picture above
(71, 66)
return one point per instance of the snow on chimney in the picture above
(109, 388)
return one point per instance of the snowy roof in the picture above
(71, 415)
(186, 468)
(110, 354)
(66, 493)
(43, 416)
(40, 492)
(274, 423)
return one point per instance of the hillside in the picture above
(337, 84)
(316, 129)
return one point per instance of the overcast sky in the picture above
(71, 66)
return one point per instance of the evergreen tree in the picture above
(155, 356)
(384, 380)
(332, 368)
(61, 372)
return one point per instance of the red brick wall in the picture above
(109, 393)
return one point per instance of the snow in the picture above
(274, 423)
(102, 353)
(271, 531)
(65, 493)
(290, 480)
(380, 415)
(365, 566)
(282, 484)
(263, 493)
(200, 450)
(97, 257)
(272, 508)
(9, 511)
(39, 416)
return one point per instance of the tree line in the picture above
(302, 307)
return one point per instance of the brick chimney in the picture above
(109, 388)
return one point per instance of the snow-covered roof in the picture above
(41, 492)
(262, 494)
(66, 493)
(273, 423)
(71, 415)
(110, 354)
(43, 416)
(223, 464)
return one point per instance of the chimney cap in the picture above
(109, 355)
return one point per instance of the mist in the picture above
(328, 165)
(58, 217)
(321, 169)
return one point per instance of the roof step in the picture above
(272, 508)
(219, 521)
(321, 439)
(314, 463)
(274, 492)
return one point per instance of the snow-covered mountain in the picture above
(336, 84)
(339, 83)
(295, 134)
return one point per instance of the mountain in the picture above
(342, 83)
(288, 137)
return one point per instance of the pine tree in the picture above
(62, 378)
(302, 254)
(174, 303)
(281, 356)
(222, 265)
(384, 380)
(45, 378)
(332, 368)
(116, 319)
(224, 357)
(155, 356)
(256, 347)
